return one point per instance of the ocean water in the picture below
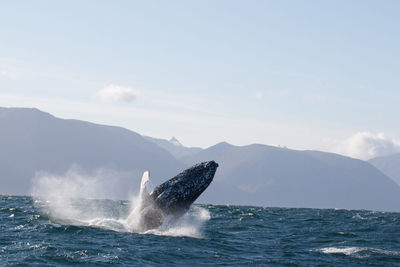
(97, 233)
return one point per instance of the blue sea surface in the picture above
(210, 235)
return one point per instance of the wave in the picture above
(360, 252)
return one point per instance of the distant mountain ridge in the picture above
(32, 141)
(175, 141)
(174, 147)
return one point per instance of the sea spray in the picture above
(61, 195)
(72, 199)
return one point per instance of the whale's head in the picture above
(177, 194)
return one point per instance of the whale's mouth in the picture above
(211, 164)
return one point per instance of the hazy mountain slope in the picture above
(389, 165)
(32, 140)
(271, 176)
(177, 151)
(7, 177)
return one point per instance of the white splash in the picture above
(73, 199)
(188, 225)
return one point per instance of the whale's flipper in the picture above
(143, 185)
(150, 215)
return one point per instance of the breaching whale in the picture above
(175, 196)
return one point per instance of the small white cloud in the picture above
(116, 93)
(366, 145)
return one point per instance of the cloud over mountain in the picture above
(366, 145)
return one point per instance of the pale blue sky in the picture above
(302, 74)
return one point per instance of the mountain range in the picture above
(33, 142)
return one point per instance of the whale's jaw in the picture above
(175, 196)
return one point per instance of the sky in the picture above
(321, 75)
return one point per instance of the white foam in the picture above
(346, 251)
(359, 217)
(357, 251)
(188, 225)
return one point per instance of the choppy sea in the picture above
(96, 233)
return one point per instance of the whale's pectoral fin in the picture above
(150, 215)
(143, 185)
